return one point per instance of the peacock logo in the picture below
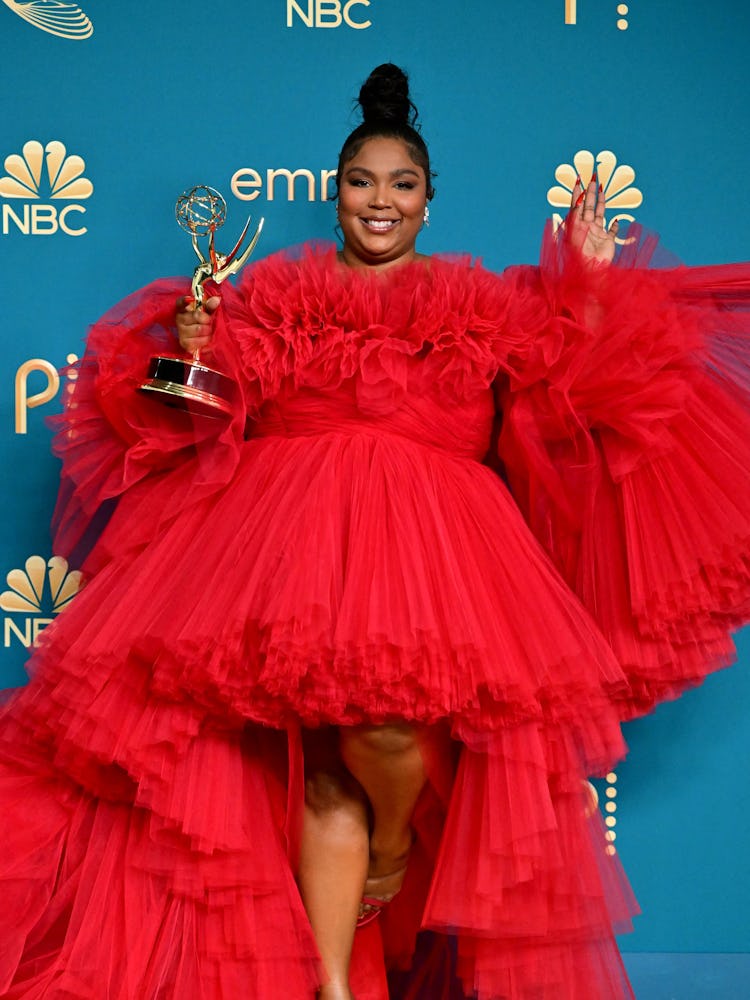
(66, 20)
(36, 593)
(64, 174)
(620, 195)
(39, 174)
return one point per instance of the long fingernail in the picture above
(580, 199)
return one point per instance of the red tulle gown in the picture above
(513, 507)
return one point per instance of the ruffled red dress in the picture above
(514, 507)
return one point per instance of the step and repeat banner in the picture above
(110, 111)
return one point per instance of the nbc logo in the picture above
(36, 593)
(328, 13)
(617, 181)
(66, 20)
(44, 172)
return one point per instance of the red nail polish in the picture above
(580, 199)
(600, 189)
(579, 182)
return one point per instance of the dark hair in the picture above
(387, 112)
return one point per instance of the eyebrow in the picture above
(394, 173)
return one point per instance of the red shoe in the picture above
(371, 905)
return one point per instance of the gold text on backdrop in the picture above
(25, 399)
(622, 9)
(38, 592)
(325, 13)
(247, 183)
(36, 176)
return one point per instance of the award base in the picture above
(190, 385)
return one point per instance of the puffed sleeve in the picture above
(626, 442)
(113, 439)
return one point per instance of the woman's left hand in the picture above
(585, 223)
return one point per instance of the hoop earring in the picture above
(426, 219)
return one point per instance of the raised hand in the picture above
(585, 223)
(195, 326)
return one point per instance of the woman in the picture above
(323, 676)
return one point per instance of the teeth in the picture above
(381, 224)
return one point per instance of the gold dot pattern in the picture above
(610, 807)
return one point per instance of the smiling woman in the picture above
(381, 206)
(383, 177)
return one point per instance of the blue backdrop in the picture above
(109, 111)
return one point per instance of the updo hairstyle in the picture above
(387, 113)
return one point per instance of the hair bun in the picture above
(384, 96)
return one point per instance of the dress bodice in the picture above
(462, 428)
(412, 352)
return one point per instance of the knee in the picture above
(327, 792)
(388, 740)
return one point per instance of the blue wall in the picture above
(508, 91)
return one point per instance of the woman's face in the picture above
(382, 198)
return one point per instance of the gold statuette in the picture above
(188, 383)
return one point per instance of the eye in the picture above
(405, 185)
(358, 182)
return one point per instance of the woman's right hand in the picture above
(195, 326)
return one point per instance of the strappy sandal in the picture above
(372, 906)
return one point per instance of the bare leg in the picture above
(387, 762)
(333, 858)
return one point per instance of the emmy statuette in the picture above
(188, 383)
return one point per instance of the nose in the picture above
(379, 197)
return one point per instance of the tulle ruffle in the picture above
(626, 423)
(345, 577)
(531, 909)
(192, 896)
(113, 440)
(161, 864)
(305, 316)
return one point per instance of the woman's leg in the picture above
(333, 857)
(346, 846)
(387, 762)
